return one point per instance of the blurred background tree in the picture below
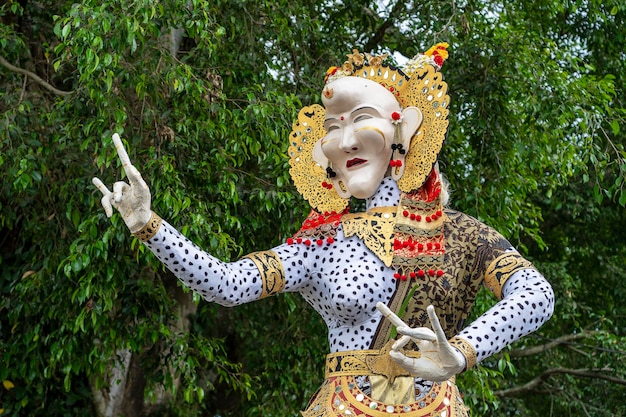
(204, 93)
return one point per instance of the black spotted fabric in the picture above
(343, 281)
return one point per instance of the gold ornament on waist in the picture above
(367, 362)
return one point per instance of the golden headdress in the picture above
(419, 83)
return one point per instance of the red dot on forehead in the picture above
(341, 118)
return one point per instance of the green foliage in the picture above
(535, 148)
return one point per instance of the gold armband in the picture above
(502, 268)
(466, 349)
(271, 270)
(150, 229)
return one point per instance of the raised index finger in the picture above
(131, 172)
(121, 151)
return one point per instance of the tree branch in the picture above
(382, 29)
(553, 343)
(34, 76)
(581, 373)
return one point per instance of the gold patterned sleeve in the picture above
(502, 268)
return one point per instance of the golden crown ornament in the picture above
(419, 83)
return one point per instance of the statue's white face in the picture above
(359, 132)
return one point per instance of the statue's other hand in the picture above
(131, 199)
(438, 359)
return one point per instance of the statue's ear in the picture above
(320, 158)
(318, 154)
(411, 121)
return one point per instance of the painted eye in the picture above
(331, 128)
(362, 117)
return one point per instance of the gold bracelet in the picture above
(150, 229)
(466, 349)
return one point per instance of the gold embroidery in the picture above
(400, 391)
(308, 175)
(150, 229)
(466, 349)
(427, 91)
(367, 362)
(271, 270)
(375, 228)
(501, 269)
(341, 396)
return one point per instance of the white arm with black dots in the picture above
(256, 276)
(527, 303)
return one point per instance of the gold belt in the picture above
(367, 362)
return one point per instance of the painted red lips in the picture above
(355, 162)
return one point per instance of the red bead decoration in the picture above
(319, 242)
(307, 242)
(330, 240)
(299, 240)
(412, 274)
(405, 213)
(439, 273)
(421, 273)
(396, 275)
(431, 272)
(290, 241)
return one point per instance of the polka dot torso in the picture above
(344, 280)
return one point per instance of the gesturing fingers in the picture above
(400, 343)
(119, 188)
(121, 151)
(390, 315)
(134, 177)
(436, 325)
(418, 333)
(106, 196)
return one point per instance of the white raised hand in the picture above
(438, 360)
(131, 199)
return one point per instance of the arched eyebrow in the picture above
(334, 119)
(366, 108)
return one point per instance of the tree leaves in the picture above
(535, 148)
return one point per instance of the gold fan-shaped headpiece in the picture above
(419, 83)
